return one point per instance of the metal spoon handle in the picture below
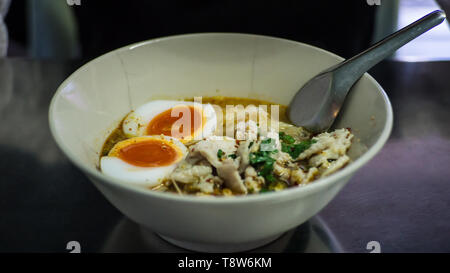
(353, 68)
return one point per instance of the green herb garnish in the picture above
(286, 138)
(294, 150)
(260, 157)
(233, 156)
(289, 146)
(270, 177)
(220, 153)
(266, 141)
(263, 161)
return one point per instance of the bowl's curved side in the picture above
(216, 223)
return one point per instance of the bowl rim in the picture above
(286, 194)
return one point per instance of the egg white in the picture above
(145, 176)
(136, 123)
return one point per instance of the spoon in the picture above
(316, 105)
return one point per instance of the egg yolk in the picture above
(163, 123)
(149, 153)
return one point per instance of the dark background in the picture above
(343, 27)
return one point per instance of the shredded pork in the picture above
(257, 160)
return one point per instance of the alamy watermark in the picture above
(74, 247)
(73, 2)
(374, 247)
(373, 2)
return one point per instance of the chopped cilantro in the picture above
(267, 168)
(270, 178)
(286, 138)
(260, 157)
(220, 153)
(263, 162)
(233, 156)
(285, 147)
(289, 146)
(250, 145)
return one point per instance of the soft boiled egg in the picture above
(145, 160)
(180, 119)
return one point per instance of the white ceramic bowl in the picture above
(93, 100)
